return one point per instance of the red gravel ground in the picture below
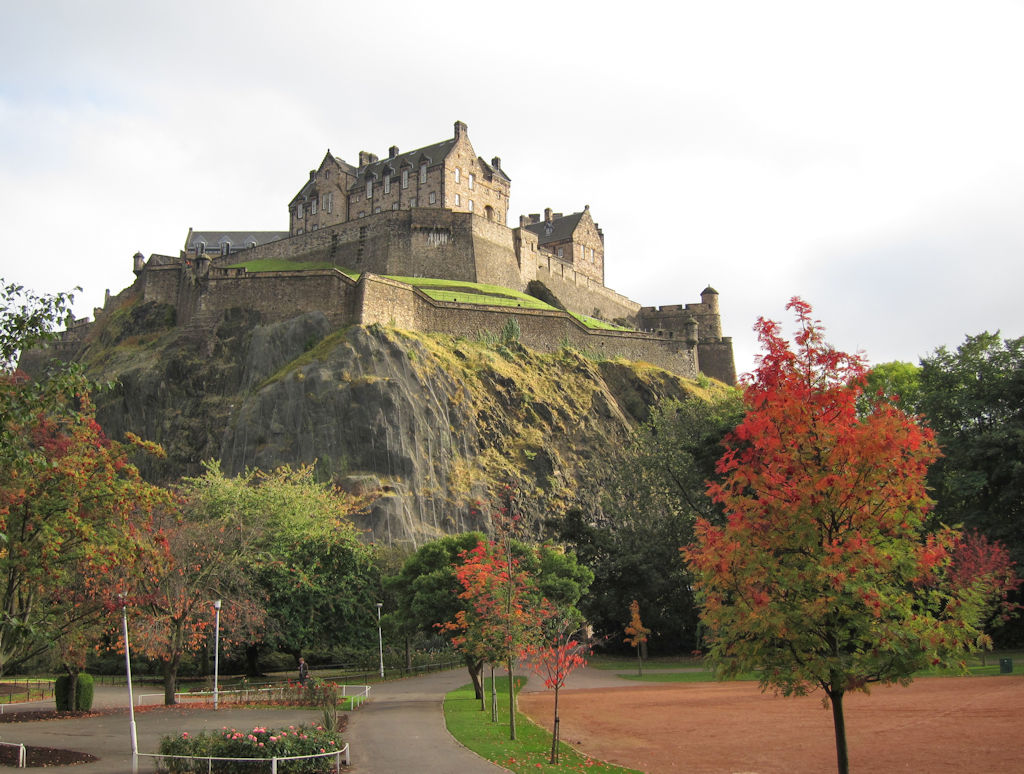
(936, 725)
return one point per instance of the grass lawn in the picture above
(530, 751)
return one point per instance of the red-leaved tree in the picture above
(554, 659)
(825, 574)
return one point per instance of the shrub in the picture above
(258, 743)
(83, 693)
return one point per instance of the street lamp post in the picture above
(216, 654)
(380, 640)
(131, 699)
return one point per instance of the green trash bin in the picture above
(1005, 666)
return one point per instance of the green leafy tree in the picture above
(826, 574)
(973, 398)
(649, 510)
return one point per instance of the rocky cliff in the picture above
(430, 426)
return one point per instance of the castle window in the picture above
(369, 189)
(312, 207)
(412, 202)
(362, 214)
(458, 200)
(387, 184)
(330, 202)
(225, 249)
(252, 245)
(299, 231)
(456, 174)
(315, 227)
(561, 253)
(433, 198)
(423, 173)
(327, 174)
(394, 206)
(405, 178)
(376, 210)
(469, 204)
(472, 179)
(299, 212)
(201, 248)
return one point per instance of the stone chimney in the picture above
(496, 162)
(312, 174)
(366, 158)
(392, 151)
(461, 130)
(534, 217)
(523, 221)
(547, 214)
(557, 216)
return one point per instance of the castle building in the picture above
(441, 212)
(446, 175)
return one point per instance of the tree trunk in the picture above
(554, 732)
(511, 702)
(171, 680)
(476, 669)
(252, 660)
(843, 762)
(494, 698)
(72, 688)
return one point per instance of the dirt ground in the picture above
(936, 725)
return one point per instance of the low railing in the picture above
(341, 758)
(22, 762)
(356, 693)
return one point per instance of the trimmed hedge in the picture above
(83, 693)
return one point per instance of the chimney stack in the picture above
(461, 130)
(392, 151)
(496, 162)
(547, 214)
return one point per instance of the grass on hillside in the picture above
(283, 264)
(435, 288)
(530, 751)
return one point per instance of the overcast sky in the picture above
(866, 156)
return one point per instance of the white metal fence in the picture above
(187, 764)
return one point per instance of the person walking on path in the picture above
(303, 670)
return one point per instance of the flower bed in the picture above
(258, 743)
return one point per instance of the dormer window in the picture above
(387, 184)
(423, 173)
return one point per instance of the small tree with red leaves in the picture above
(826, 575)
(554, 660)
(636, 634)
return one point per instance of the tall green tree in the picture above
(826, 574)
(973, 398)
(648, 511)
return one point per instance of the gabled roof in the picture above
(493, 169)
(558, 230)
(240, 239)
(431, 154)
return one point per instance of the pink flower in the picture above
(185, 735)
(273, 739)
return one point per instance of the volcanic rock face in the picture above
(430, 427)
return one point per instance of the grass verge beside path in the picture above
(530, 751)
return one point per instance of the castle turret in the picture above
(138, 262)
(709, 297)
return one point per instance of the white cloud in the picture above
(866, 156)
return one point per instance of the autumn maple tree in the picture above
(826, 574)
(636, 634)
(554, 658)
